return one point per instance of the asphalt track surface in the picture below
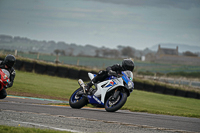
(18, 111)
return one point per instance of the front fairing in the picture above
(128, 81)
(4, 77)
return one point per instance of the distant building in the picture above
(167, 55)
(166, 51)
(142, 58)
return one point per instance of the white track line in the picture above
(55, 128)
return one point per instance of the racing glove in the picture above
(112, 73)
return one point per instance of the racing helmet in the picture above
(128, 64)
(9, 61)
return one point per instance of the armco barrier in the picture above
(83, 75)
(198, 97)
(191, 94)
(73, 73)
(180, 93)
(28, 66)
(62, 71)
(40, 68)
(148, 87)
(165, 90)
(18, 65)
(159, 89)
(170, 91)
(51, 70)
(139, 85)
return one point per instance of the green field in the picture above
(43, 86)
(101, 63)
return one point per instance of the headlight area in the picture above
(130, 85)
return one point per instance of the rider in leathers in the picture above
(8, 64)
(127, 64)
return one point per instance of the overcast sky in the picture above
(109, 23)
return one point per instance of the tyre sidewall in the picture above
(79, 104)
(119, 105)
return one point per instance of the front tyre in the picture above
(113, 105)
(77, 101)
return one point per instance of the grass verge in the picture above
(141, 101)
(44, 86)
(11, 129)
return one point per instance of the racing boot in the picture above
(88, 88)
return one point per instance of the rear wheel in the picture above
(77, 100)
(112, 105)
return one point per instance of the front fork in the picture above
(115, 95)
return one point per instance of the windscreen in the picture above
(129, 75)
(6, 72)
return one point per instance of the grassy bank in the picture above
(43, 86)
(185, 74)
(141, 101)
(172, 74)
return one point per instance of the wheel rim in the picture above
(111, 103)
(75, 98)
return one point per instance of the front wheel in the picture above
(113, 105)
(77, 100)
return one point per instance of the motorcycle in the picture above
(111, 94)
(4, 78)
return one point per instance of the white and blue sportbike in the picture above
(111, 93)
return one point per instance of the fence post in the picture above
(15, 52)
(38, 55)
(77, 62)
(190, 83)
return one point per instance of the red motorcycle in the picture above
(4, 78)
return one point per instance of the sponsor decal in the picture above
(97, 99)
(111, 84)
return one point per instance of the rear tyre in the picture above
(113, 105)
(77, 101)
